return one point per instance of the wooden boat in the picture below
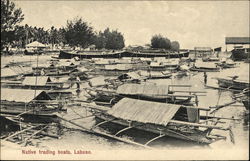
(175, 94)
(205, 67)
(155, 74)
(131, 77)
(120, 54)
(165, 120)
(115, 70)
(240, 53)
(35, 82)
(233, 83)
(28, 102)
(225, 65)
(243, 97)
(14, 72)
(152, 53)
(210, 59)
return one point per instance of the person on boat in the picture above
(205, 77)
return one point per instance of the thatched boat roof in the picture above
(22, 95)
(144, 111)
(97, 81)
(15, 71)
(139, 89)
(118, 67)
(36, 80)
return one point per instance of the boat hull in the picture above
(98, 54)
(194, 135)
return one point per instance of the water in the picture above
(77, 139)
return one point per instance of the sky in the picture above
(192, 23)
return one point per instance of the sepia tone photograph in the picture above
(124, 80)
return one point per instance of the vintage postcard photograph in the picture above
(124, 80)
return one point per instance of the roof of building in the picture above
(237, 40)
(144, 111)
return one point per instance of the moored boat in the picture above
(31, 103)
(120, 54)
(165, 120)
(233, 83)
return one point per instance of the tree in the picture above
(175, 46)
(10, 17)
(109, 40)
(160, 42)
(78, 33)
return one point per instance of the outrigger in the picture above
(178, 121)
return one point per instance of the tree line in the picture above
(76, 33)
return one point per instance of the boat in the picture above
(28, 103)
(174, 94)
(205, 67)
(35, 82)
(163, 119)
(152, 53)
(155, 74)
(233, 83)
(239, 53)
(15, 72)
(120, 54)
(116, 69)
(131, 77)
(210, 59)
(226, 64)
(243, 97)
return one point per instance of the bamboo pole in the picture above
(197, 125)
(104, 134)
(19, 132)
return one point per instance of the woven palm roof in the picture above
(20, 95)
(145, 89)
(36, 80)
(144, 111)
